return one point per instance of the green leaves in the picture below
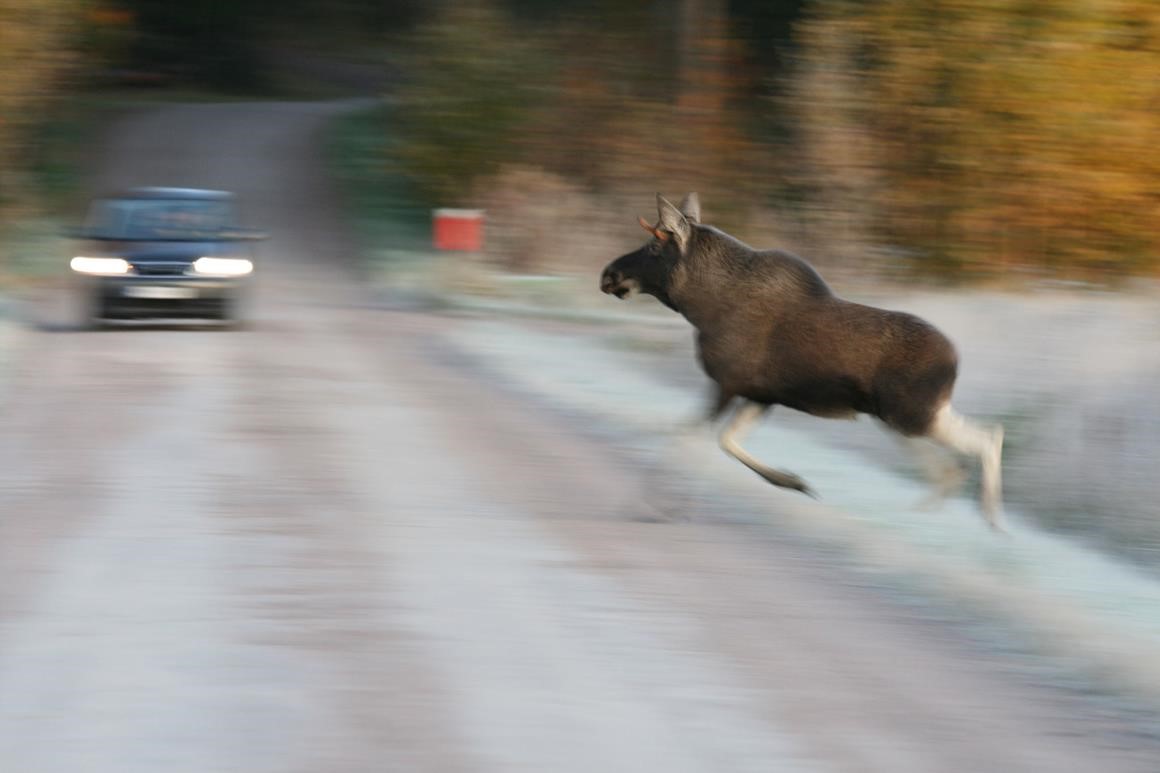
(476, 77)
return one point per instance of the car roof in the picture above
(191, 194)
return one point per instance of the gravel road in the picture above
(330, 543)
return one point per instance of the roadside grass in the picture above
(392, 228)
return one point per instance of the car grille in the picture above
(161, 269)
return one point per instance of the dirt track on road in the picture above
(328, 544)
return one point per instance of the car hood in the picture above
(164, 252)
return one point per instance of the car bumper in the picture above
(141, 297)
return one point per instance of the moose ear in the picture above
(674, 222)
(691, 208)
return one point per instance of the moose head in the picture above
(649, 269)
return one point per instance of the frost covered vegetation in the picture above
(1061, 597)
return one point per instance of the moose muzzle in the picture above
(615, 283)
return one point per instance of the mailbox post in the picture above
(458, 229)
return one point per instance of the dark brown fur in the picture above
(770, 330)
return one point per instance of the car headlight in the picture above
(100, 266)
(223, 266)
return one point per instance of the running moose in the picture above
(771, 332)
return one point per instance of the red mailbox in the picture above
(458, 229)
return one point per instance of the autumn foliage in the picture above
(984, 136)
(35, 49)
(955, 138)
(972, 138)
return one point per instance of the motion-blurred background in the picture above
(958, 139)
(430, 511)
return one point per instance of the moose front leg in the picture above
(719, 402)
(743, 419)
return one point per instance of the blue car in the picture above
(164, 253)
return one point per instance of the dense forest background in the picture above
(963, 139)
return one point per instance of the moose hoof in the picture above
(802, 486)
(788, 480)
(993, 513)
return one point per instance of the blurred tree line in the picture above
(36, 39)
(220, 44)
(50, 50)
(986, 134)
(951, 137)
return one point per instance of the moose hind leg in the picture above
(743, 420)
(958, 433)
(944, 472)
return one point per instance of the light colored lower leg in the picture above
(736, 430)
(958, 433)
(943, 472)
(730, 440)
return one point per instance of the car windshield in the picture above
(159, 218)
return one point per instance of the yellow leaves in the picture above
(1026, 130)
(33, 50)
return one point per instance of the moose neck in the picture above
(703, 286)
(720, 277)
(700, 294)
